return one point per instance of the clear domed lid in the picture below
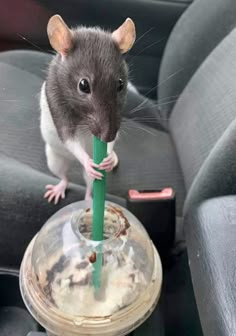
(80, 277)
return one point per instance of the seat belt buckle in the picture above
(150, 194)
(156, 210)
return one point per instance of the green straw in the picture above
(99, 192)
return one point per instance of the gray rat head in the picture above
(87, 81)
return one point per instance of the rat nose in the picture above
(104, 135)
(108, 135)
(105, 130)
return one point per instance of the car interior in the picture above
(178, 131)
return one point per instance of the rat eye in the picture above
(84, 86)
(120, 85)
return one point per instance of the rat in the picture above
(83, 95)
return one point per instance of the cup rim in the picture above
(76, 215)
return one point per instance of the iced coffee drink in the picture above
(59, 270)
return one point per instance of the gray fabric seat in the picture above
(200, 29)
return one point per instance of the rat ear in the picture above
(125, 35)
(60, 36)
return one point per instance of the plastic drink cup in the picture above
(56, 275)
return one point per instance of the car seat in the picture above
(188, 146)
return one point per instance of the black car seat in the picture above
(183, 153)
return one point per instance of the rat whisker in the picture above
(131, 78)
(138, 106)
(33, 44)
(153, 106)
(130, 68)
(144, 117)
(12, 100)
(157, 86)
(139, 127)
(147, 47)
(125, 133)
(148, 119)
(169, 77)
(145, 130)
(168, 102)
(144, 34)
(147, 99)
(83, 127)
(168, 97)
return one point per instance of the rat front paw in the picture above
(109, 163)
(91, 171)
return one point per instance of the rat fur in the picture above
(70, 117)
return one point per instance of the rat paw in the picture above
(91, 171)
(109, 163)
(56, 192)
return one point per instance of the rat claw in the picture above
(96, 174)
(57, 198)
(107, 168)
(51, 197)
(108, 158)
(105, 164)
(49, 186)
(47, 194)
(91, 172)
(93, 164)
(109, 162)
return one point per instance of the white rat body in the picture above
(60, 156)
(82, 97)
